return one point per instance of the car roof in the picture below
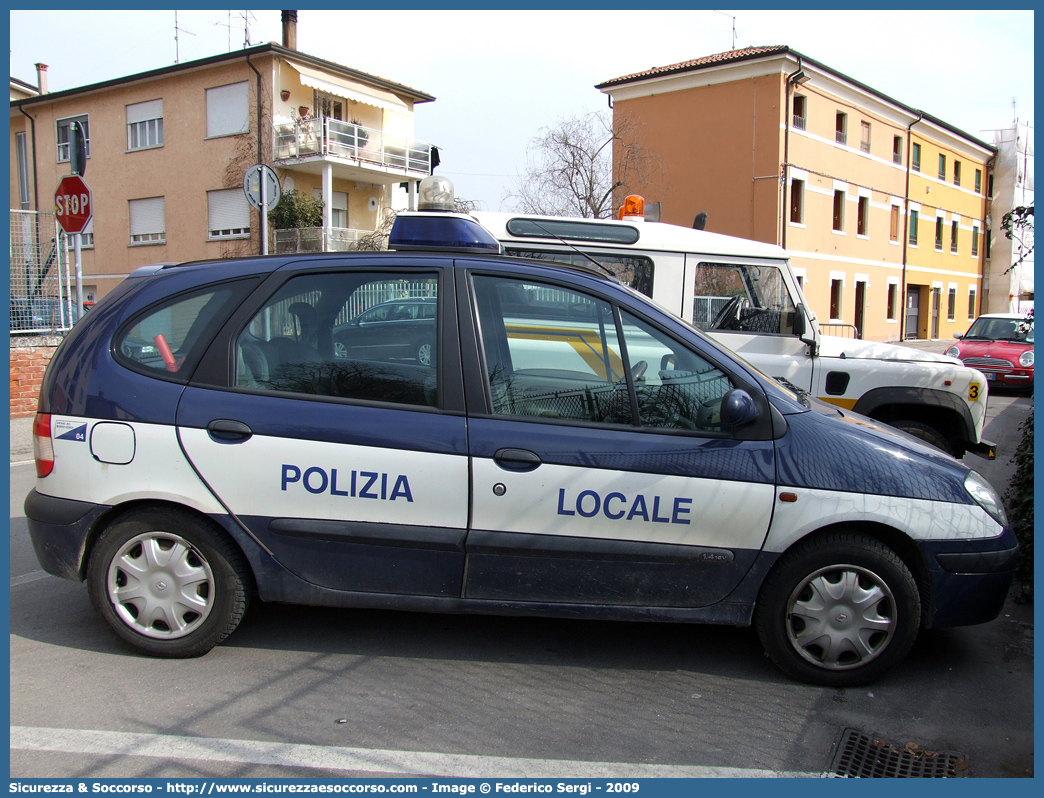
(1016, 316)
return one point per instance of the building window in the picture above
(863, 219)
(800, 107)
(989, 186)
(897, 150)
(893, 301)
(841, 128)
(951, 303)
(893, 224)
(836, 288)
(913, 227)
(839, 210)
(228, 214)
(864, 136)
(971, 304)
(23, 171)
(953, 236)
(228, 110)
(956, 172)
(975, 242)
(797, 201)
(978, 181)
(63, 136)
(942, 166)
(988, 240)
(145, 125)
(939, 233)
(915, 160)
(148, 220)
(338, 206)
(86, 237)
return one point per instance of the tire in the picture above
(807, 617)
(423, 352)
(925, 433)
(167, 583)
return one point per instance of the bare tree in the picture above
(569, 168)
(1018, 226)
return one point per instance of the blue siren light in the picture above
(437, 231)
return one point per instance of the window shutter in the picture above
(142, 112)
(228, 209)
(228, 110)
(148, 216)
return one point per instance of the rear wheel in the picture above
(838, 611)
(167, 583)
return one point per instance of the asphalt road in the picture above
(299, 691)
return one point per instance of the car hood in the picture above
(1006, 349)
(845, 452)
(833, 346)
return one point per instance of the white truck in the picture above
(744, 295)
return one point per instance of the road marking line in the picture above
(32, 576)
(356, 760)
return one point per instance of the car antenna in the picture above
(573, 247)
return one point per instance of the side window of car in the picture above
(168, 339)
(551, 352)
(336, 335)
(675, 387)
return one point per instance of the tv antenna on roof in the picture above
(733, 27)
(177, 44)
(246, 17)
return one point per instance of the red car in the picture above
(1000, 345)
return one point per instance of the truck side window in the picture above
(742, 297)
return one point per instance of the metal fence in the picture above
(40, 297)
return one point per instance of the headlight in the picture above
(986, 497)
(953, 351)
(1026, 359)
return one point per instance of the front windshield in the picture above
(987, 329)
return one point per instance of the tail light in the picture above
(43, 450)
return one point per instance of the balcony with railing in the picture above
(319, 239)
(364, 152)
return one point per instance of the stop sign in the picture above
(72, 204)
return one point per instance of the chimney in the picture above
(41, 78)
(290, 30)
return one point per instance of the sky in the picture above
(501, 76)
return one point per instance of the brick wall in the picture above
(29, 358)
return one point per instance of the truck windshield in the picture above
(742, 297)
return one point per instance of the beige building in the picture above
(168, 150)
(882, 206)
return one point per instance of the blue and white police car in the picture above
(564, 448)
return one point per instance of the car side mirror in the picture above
(738, 408)
(799, 321)
(959, 336)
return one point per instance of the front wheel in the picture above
(838, 611)
(167, 583)
(923, 432)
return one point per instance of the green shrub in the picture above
(296, 209)
(1019, 504)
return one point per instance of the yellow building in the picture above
(168, 150)
(880, 205)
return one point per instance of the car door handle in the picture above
(517, 459)
(224, 430)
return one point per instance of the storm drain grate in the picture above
(859, 756)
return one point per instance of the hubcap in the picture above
(160, 585)
(841, 617)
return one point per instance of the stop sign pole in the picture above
(72, 209)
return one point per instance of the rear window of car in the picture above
(168, 339)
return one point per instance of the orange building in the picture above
(881, 206)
